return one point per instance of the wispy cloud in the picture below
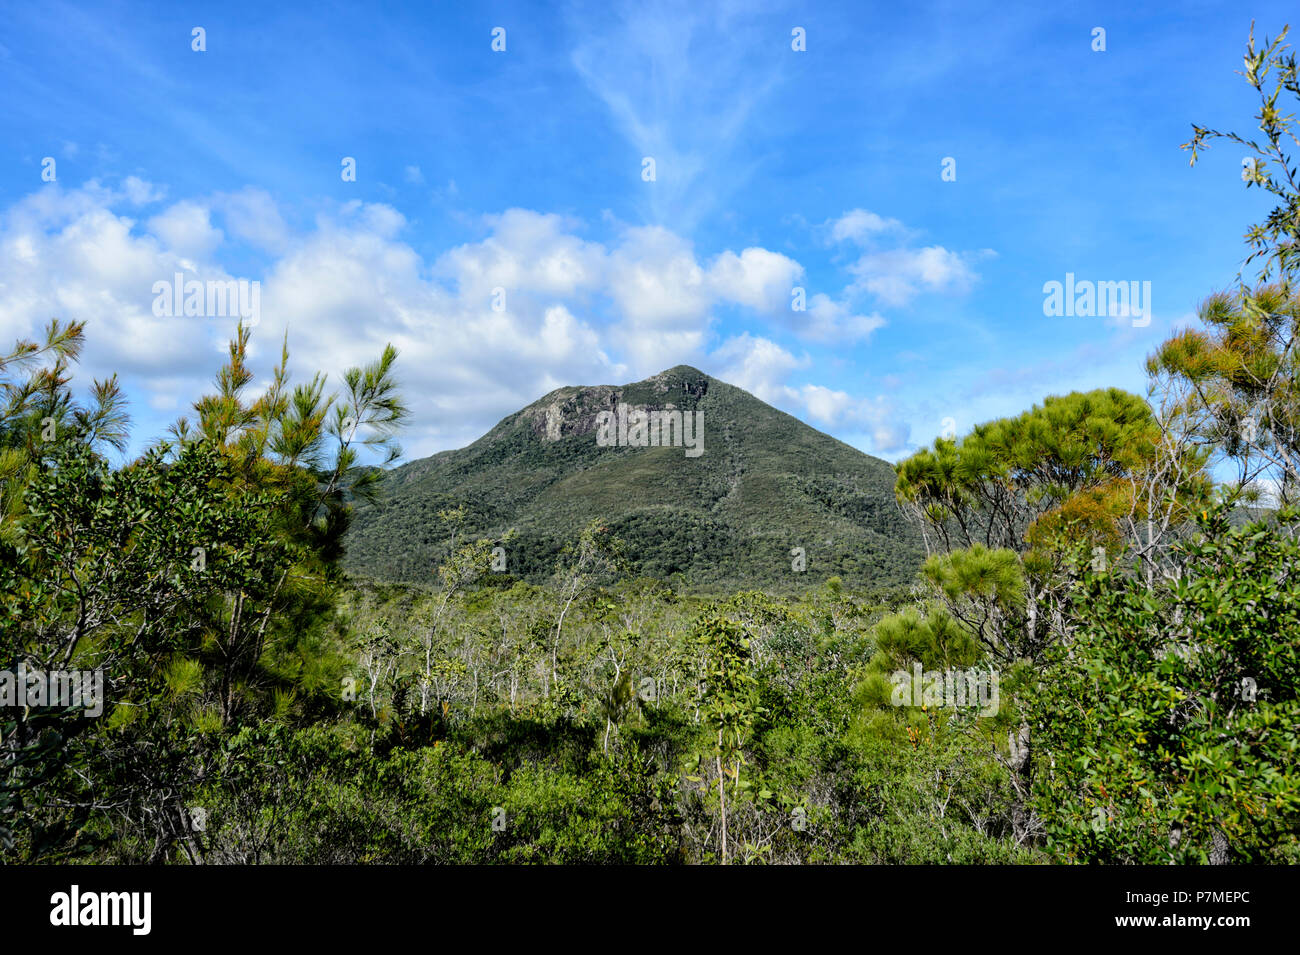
(681, 81)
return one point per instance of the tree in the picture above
(1231, 385)
(106, 579)
(160, 574)
(1170, 723)
(1161, 746)
(466, 564)
(596, 555)
(302, 447)
(730, 701)
(1008, 510)
(37, 408)
(1276, 240)
(1006, 482)
(1231, 388)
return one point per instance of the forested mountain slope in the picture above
(764, 484)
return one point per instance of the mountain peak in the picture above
(680, 371)
(763, 487)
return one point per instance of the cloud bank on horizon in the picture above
(857, 232)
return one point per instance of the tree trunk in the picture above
(1218, 848)
(1020, 765)
(722, 799)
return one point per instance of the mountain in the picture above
(724, 513)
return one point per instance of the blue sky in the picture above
(522, 170)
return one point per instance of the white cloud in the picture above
(876, 418)
(253, 216)
(141, 193)
(67, 256)
(187, 228)
(756, 278)
(656, 280)
(896, 276)
(758, 365)
(831, 321)
(576, 310)
(858, 225)
(763, 368)
(526, 252)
